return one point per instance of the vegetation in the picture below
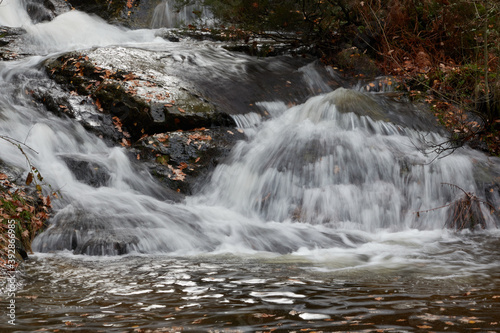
(444, 52)
(28, 212)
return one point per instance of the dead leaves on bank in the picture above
(29, 214)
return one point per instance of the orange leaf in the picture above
(98, 104)
(29, 179)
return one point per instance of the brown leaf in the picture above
(29, 179)
(98, 104)
(3, 176)
(46, 201)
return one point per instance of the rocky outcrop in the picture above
(163, 122)
(8, 36)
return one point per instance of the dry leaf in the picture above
(29, 179)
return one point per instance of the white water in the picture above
(167, 15)
(12, 14)
(311, 181)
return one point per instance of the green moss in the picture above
(162, 159)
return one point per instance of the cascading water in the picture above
(332, 184)
(313, 172)
(167, 15)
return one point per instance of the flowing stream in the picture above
(309, 224)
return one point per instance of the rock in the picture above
(89, 172)
(381, 107)
(46, 10)
(182, 160)
(8, 48)
(135, 103)
(163, 121)
(83, 232)
(353, 59)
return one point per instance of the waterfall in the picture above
(167, 15)
(317, 165)
(13, 13)
(327, 174)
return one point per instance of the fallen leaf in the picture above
(98, 104)
(263, 315)
(29, 179)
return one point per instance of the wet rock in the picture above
(130, 108)
(83, 232)
(88, 172)
(138, 105)
(8, 47)
(182, 160)
(46, 10)
(382, 107)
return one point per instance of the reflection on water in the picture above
(264, 292)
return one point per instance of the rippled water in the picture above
(264, 292)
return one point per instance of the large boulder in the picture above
(137, 104)
(163, 121)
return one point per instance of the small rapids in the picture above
(310, 222)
